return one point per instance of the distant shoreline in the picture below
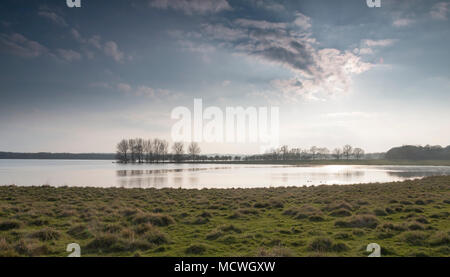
(104, 157)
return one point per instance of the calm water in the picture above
(109, 174)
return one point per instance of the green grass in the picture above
(408, 218)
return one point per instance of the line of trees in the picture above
(313, 153)
(139, 150)
(417, 152)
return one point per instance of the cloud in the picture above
(316, 71)
(402, 22)
(267, 5)
(303, 21)
(122, 87)
(19, 45)
(380, 43)
(111, 49)
(363, 51)
(191, 7)
(69, 55)
(260, 24)
(52, 16)
(351, 115)
(440, 10)
(143, 90)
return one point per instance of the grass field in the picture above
(408, 218)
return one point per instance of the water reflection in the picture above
(107, 174)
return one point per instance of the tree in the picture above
(313, 150)
(284, 150)
(178, 151)
(163, 149)
(337, 153)
(133, 153)
(122, 151)
(148, 150)
(358, 153)
(347, 151)
(139, 149)
(323, 152)
(194, 150)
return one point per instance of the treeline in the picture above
(57, 156)
(413, 152)
(313, 153)
(141, 150)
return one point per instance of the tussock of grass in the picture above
(79, 232)
(276, 251)
(155, 219)
(46, 234)
(359, 221)
(196, 249)
(323, 244)
(9, 225)
(415, 237)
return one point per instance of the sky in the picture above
(81, 79)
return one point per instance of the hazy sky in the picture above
(80, 79)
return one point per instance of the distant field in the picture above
(410, 218)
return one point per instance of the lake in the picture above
(110, 174)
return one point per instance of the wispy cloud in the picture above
(355, 114)
(143, 90)
(18, 44)
(191, 7)
(52, 16)
(68, 55)
(95, 42)
(111, 49)
(402, 22)
(380, 43)
(440, 10)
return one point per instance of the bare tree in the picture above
(133, 153)
(337, 153)
(122, 151)
(358, 153)
(194, 150)
(139, 149)
(323, 152)
(178, 150)
(163, 149)
(347, 151)
(313, 151)
(294, 153)
(148, 150)
(284, 150)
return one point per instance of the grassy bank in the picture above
(410, 218)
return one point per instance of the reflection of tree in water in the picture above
(125, 173)
(159, 178)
